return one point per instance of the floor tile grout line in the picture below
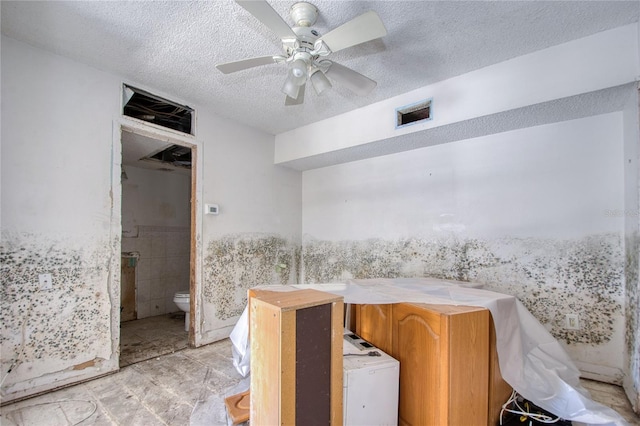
(100, 405)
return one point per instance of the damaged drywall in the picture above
(533, 212)
(56, 329)
(235, 263)
(632, 314)
(551, 277)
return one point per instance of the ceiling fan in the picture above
(305, 49)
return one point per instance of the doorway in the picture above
(156, 250)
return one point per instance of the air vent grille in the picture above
(414, 113)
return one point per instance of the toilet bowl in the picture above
(181, 299)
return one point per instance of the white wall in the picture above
(61, 214)
(155, 198)
(531, 212)
(258, 226)
(632, 242)
(546, 181)
(56, 218)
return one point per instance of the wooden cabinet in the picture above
(444, 357)
(447, 363)
(373, 324)
(296, 357)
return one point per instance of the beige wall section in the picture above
(155, 198)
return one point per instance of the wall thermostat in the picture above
(211, 209)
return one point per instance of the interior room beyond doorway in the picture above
(156, 236)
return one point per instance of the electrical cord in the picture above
(8, 372)
(95, 407)
(524, 412)
(18, 360)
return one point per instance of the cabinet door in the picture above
(373, 324)
(127, 289)
(418, 345)
(468, 376)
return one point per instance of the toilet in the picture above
(181, 299)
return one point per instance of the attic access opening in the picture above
(175, 155)
(154, 109)
(414, 113)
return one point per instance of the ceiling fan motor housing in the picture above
(306, 38)
(304, 46)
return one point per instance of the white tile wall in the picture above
(163, 267)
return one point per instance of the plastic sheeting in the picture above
(240, 349)
(531, 360)
(210, 408)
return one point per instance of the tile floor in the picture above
(182, 387)
(612, 396)
(151, 337)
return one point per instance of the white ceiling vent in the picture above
(154, 109)
(414, 113)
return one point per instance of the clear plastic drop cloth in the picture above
(531, 360)
(210, 409)
(240, 348)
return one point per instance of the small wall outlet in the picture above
(572, 322)
(45, 281)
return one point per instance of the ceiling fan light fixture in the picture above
(290, 87)
(299, 71)
(320, 82)
(303, 47)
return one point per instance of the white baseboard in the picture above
(600, 373)
(215, 335)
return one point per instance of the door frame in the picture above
(195, 276)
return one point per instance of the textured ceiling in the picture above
(173, 46)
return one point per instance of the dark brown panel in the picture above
(313, 365)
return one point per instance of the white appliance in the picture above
(370, 382)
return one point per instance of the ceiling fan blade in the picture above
(352, 80)
(244, 64)
(365, 27)
(264, 13)
(297, 101)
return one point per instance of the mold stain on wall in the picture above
(551, 277)
(235, 263)
(69, 323)
(632, 314)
